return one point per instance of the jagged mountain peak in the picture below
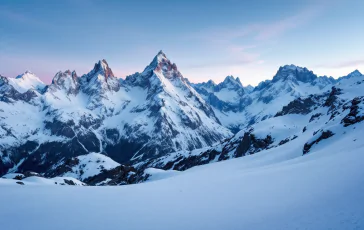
(231, 83)
(161, 54)
(58, 79)
(102, 68)
(161, 63)
(97, 82)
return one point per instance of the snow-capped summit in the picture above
(156, 73)
(294, 73)
(355, 73)
(27, 81)
(230, 83)
(99, 80)
(103, 69)
(161, 64)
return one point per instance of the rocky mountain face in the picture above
(147, 115)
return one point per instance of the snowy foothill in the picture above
(273, 189)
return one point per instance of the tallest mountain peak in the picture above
(103, 68)
(161, 53)
(160, 57)
(159, 62)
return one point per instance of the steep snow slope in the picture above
(273, 189)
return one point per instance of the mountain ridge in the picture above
(148, 116)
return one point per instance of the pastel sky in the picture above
(207, 39)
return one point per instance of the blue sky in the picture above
(206, 39)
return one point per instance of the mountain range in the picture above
(103, 130)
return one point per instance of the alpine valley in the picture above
(97, 129)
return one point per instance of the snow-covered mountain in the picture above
(147, 115)
(237, 107)
(91, 127)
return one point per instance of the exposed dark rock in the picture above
(332, 97)
(60, 128)
(19, 182)
(63, 168)
(69, 182)
(300, 106)
(282, 142)
(19, 177)
(120, 175)
(244, 145)
(50, 153)
(313, 117)
(324, 135)
(29, 174)
(248, 144)
(354, 116)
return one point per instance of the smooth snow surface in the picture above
(273, 189)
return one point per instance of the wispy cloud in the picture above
(343, 64)
(242, 43)
(264, 30)
(277, 28)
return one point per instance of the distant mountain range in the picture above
(90, 127)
